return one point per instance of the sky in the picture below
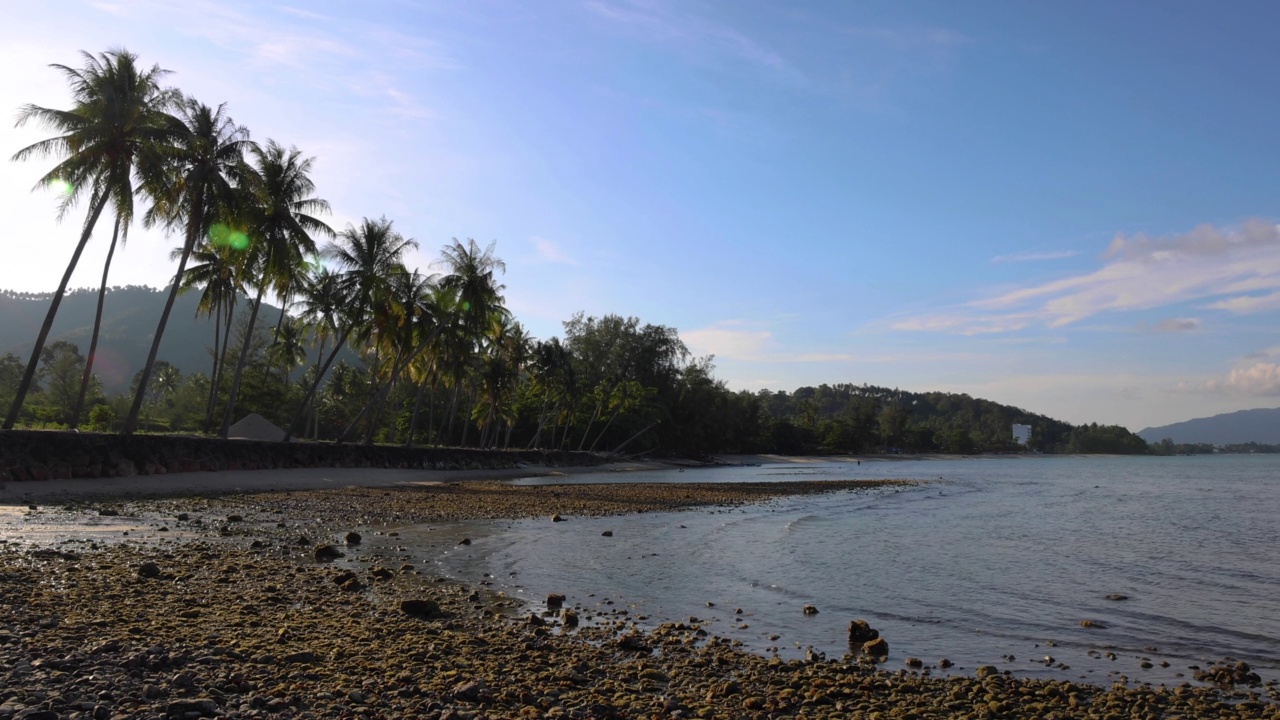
(1068, 207)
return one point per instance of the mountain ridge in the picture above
(1259, 425)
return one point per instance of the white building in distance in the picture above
(1021, 434)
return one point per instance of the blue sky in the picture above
(1068, 207)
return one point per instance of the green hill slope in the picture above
(129, 320)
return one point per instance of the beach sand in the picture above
(228, 613)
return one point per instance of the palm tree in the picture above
(202, 166)
(472, 277)
(218, 270)
(118, 115)
(368, 256)
(281, 221)
(288, 350)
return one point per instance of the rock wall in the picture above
(33, 455)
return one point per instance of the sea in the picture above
(986, 561)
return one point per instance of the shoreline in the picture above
(237, 619)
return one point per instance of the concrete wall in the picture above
(34, 455)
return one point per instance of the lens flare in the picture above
(62, 186)
(222, 236)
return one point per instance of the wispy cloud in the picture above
(741, 340)
(549, 251)
(672, 24)
(1034, 256)
(1176, 325)
(1227, 266)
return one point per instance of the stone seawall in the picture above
(33, 455)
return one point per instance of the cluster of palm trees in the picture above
(249, 222)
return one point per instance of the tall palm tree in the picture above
(281, 221)
(367, 256)
(117, 115)
(201, 168)
(218, 271)
(472, 276)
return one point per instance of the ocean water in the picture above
(991, 559)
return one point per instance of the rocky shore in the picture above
(250, 606)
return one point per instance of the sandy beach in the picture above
(240, 597)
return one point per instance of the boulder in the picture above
(420, 608)
(860, 631)
(353, 538)
(554, 601)
(876, 648)
(149, 570)
(326, 553)
(810, 610)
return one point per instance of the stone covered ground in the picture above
(237, 615)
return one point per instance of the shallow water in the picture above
(994, 557)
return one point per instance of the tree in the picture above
(368, 256)
(116, 120)
(218, 272)
(61, 366)
(202, 166)
(281, 217)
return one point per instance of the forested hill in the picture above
(129, 318)
(866, 418)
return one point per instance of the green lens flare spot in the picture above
(222, 236)
(62, 186)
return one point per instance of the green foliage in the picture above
(102, 418)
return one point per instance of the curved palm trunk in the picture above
(25, 385)
(194, 221)
(244, 359)
(213, 373)
(221, 365)
(413, 420)
(97, 325)
(315, 385)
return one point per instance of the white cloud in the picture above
(1178, 325)
(1034, 256)
(738, 340)
(668, 23)
(549, 251)
(1138, 273)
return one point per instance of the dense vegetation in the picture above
(429, 358)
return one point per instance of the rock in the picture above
(302, 541)
(382, 573)
(607, 533)
(149, 570)
(986, 671)
(633, 642)
(464, 541)
(810, 610)
(306, 657)
(876, 648)
(352, 585)
(914, 662)
(235, 518)
(1117, 596)
(535, 621)
(353, 538)
(1092, 624)
(420, 608)
(327, 553)
(569, 618)
(554, 601)
(469, 691)
(108, 512)
(205, 707)
(556, 518)
(945, 663)
(183, 517)
(860, 632)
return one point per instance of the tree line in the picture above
(434, 358)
